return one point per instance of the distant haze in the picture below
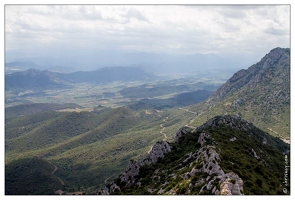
(87, 37)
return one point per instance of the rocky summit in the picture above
(259, 94)
(225, 156)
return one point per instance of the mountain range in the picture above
(232, 142)
(153, 62)
(33, 79)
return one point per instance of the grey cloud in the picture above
(90, 13)
(274, 31)
(134, 13)
(231, 12)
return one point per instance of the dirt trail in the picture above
(191, 119)
(165, 136)
(55, 168)
(161, 131)
(150, 149)
(105, 181)
(285, 140)
(188, 111)
(163, 128)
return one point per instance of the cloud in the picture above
(133, 13)
(162, 28)
(274, 31)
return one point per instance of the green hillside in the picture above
(88, 148)
(31, 176)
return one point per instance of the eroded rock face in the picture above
(158, 151)
(208, 160)
(203, 138)
(131, 171)
(231, 184)
(104, 191)
(182, 131)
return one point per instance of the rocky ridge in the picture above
(278, 58)
(259, 94)
(211, 159)
(216, 180)
(129, 176)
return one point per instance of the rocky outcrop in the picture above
(230, 184)
(208, 160)
(158, 151)
(253, 152)
(203, 138)
(132, 171)
(182, 131)
(233, 121)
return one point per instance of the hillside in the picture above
(88, 148)
(260, 94)
(32, 108)
(23, 176)
(226, 155)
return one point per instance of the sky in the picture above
(250, 30)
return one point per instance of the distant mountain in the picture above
(12, 67)
(108, 74)
(260, 94)
(33, 79)
(226, 155)
(153, 62)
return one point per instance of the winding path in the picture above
(161, 131)
(188, 111)
(163, 128)
(55, 168)
(105, 181)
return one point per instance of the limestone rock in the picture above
(158, 151)
(182, 131)
(131, 171)
(231, 184)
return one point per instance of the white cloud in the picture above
(171, 29)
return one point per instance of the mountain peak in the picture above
(278, 58)
(233, 121)
(273, 57)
